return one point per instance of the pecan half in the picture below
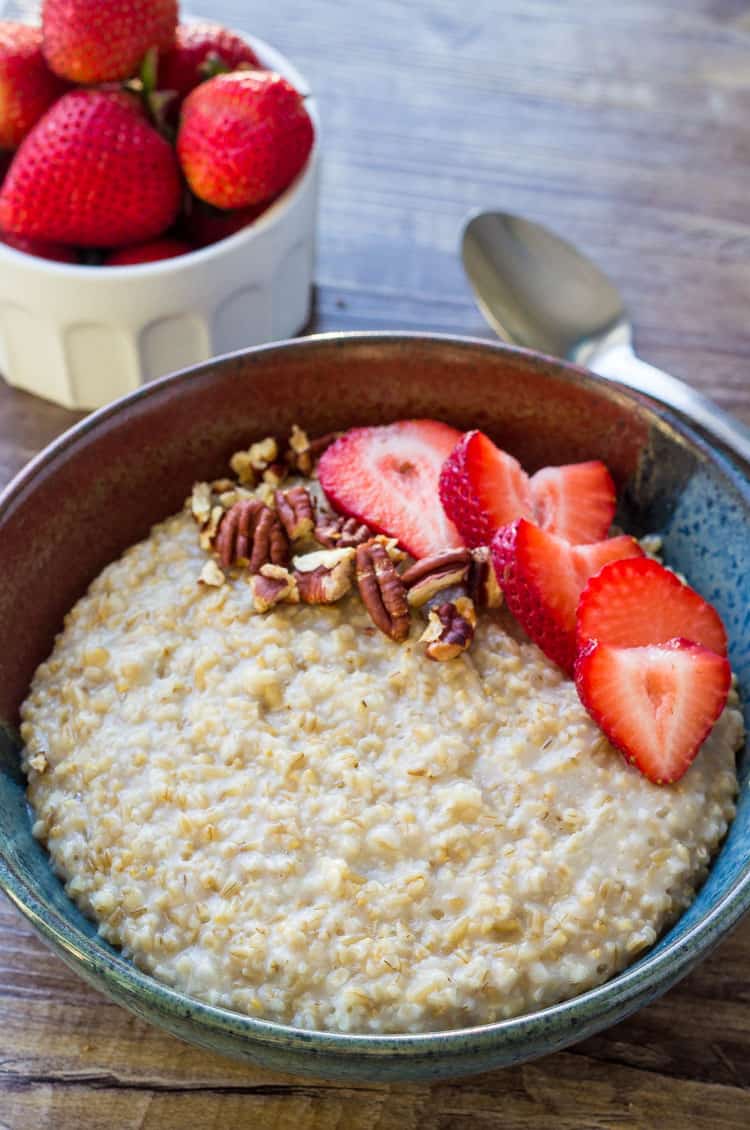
(382, 590)
(482, 582)
(450, 629)
(338, 532)
(251, 532)
(273, 585)
(296, 509)
(324, 577)
(431, 575)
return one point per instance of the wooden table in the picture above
(627, 128)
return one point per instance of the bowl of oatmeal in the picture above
(326, 853)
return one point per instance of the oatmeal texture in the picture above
(292, 816)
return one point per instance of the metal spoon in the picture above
(536, 290)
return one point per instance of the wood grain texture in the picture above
(625, 128)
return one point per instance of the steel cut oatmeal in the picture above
(293, 816)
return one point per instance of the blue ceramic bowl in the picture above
(99, 487)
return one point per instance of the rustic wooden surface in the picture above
(627, 128)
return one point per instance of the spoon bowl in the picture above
(539, 291)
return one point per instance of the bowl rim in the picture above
(595, 1008)
(270, 218)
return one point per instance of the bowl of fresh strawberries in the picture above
(158, 198)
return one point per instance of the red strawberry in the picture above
(483, 488)
(387, 477)
(542, 577)
(243, 138)
(577, 501)
(201, 51)
(91, 41)
(147, 253)
(27, 86)
(92, 172)
(636, 603)
(56, 251)
(204, 224)
(657, 703)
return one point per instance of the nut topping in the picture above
(431, 575)
(247, 465)
(273, 584)
(337, 531)
(303, 451)
(211, 575)
(324, 577)
(450, 629)
(296, 510)
(482, 582)
(382, 590)
(201, 502)
(251, 533)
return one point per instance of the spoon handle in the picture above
(619, 363)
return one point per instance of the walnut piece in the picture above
(324, 577)
(450, 629)
(431, 575)
(296, 509)
(382, 590)
(303, 452)
(251, 533)
(338, 531)
(273, 585)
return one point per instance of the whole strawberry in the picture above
(27, 86)
(152, 252)
(204, 224)
(91, 41)
(55, 251)
(92, 172)
(243, 138)
(201, 51)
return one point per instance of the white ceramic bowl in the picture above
(83, 336)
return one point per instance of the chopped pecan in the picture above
(324, 577)
(431, 575)
(450, 629)
(296, 509)
(247, 465)
(208, 532)
(335, 531)
(275, 474)
(201, 501)
(303, 451)
(251, 532)
(211, 575)
(219, 486)
(273, 584)
(482, 582)
(382, 590)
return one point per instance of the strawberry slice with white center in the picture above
(576, 501)
(657, 703)
(542, 577)
(482, 488)
(638, 602)
(387, 477)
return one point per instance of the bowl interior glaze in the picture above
(99, 488)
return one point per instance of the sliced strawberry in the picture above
(483, 488)
(576, 501)
(387, 477)
(657, 703)
(542, 576)
(634, 603)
